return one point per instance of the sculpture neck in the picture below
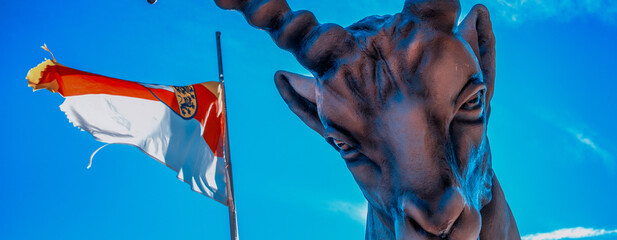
(376, 228)
(497, 219)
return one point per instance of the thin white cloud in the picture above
(569, 233)
(587, 137)
(586, 140)
(355, 211)
(521, 10)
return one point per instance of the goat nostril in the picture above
(436, 218)
(416, 226)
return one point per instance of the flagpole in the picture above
(231, 202)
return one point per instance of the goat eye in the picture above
(474, 102)
(341, 145)
(347, 151)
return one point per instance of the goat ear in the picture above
(477, 30)
(299, 93)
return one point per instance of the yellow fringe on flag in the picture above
(47, 49)
(35, 74)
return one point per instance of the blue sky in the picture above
(552, 129)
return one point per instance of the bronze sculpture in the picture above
(405, 99)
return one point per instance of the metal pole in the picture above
(231, 203)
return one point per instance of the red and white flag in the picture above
(180, 127)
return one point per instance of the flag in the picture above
(180, 127)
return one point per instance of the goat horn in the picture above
(316, 46)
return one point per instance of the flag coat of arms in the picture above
(181, 127)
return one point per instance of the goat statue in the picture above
(405, 100)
